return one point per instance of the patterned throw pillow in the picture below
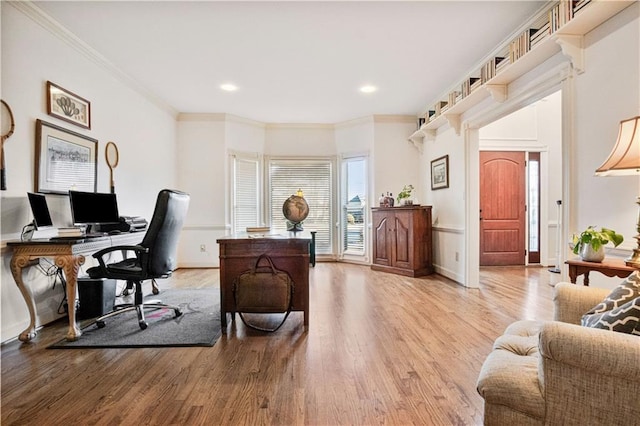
(624, 319)
(628, 290)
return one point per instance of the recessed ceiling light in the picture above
(368, 89)
(228, 87)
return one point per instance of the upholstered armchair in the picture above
(561, 373)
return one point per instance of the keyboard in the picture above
(77, 237)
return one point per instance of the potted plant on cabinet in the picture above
(404, 196)
(589, 245)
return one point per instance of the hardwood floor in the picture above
(381, 349)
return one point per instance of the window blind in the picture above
(314, 178)
(246, 198)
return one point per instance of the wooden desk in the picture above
(68, 255)
(608, 267)
(289, 252)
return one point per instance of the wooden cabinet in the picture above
(402, 240)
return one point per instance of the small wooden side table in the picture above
(608, 267)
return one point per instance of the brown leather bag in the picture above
(264, 290)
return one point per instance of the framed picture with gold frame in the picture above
(68, 106)
(64, 160)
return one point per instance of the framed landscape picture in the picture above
(68, 106)
(440, 173)
(64, 160)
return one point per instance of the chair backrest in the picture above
(162, 234)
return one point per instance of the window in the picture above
(353, 232)
(245, 192)
(315, 178)
(534, 207)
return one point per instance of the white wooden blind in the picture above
(314, 178)
(246, 198)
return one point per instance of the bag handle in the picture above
(271, 265)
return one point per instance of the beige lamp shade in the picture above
(625, 157)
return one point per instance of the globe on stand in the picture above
(295, 210)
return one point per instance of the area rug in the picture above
(199, 324)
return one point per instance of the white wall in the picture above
(395, 161)
(202, 173)
(606, 93)
(144, 130)
(300, 140)
(448, 203)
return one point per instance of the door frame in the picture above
(559, 78)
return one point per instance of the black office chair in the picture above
(155, 256)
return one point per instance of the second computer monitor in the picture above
(40, 211)
(93, 208)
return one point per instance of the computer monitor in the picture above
(40, 211)
(93, 208)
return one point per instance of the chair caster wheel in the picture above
(155, 291)
(178, 313)
(143, 325)
(126, 292)
(100, 324)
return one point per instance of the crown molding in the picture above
(411, 119)
(354, 122)
(38, 16)
(201, 116)
(300, 126)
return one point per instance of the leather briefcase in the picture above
(263, 289)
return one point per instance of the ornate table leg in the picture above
(70, 265)
(18, 262)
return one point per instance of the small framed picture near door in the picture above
(440, 173)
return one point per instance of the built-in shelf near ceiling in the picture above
(561, 27)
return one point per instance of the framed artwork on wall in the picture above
(64, 160)
(440, 173)
(68, 106)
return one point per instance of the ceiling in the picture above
(294, 61)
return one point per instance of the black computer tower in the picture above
(96, 297)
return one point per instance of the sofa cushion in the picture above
(628, 290)
(624, 319)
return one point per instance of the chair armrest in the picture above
(571, 301)
(136, 248)
(603, 352)
(139, 251)
(588, 375)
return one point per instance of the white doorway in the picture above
(535, 130)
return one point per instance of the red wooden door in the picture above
(502, 208)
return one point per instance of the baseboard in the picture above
(198, 265)
(452, 275)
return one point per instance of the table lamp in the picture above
(624, 160)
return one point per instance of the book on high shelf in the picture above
(469, 85)
(578, 5)
(441, 107)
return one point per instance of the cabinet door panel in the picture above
(381, 246)
(402, 256)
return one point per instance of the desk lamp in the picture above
(624, 160)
